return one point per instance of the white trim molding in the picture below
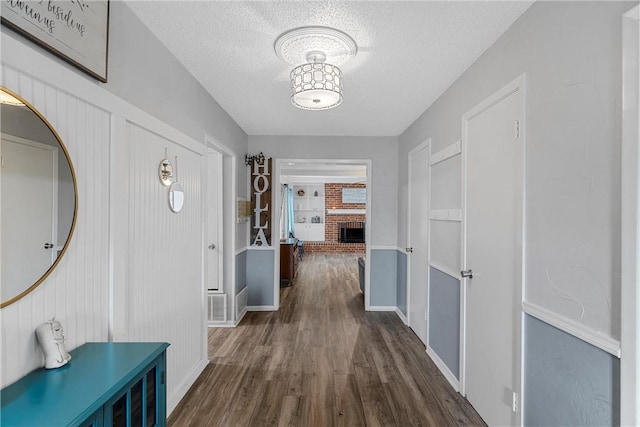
(262, 308)
(382, 308)
(444, 369)
(445, 215)
(185, 385)
(573, 328)
(402, 316)
(231, 323)
(346, 211)
(446, 153)
(446, 270)
(383, 248)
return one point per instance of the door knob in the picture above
(410, 250)
(467, 273)
(212, 246)
(48, 245)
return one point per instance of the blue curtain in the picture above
(290, 228)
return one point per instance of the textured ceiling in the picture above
(409, 53)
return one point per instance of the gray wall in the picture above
(444, 318)
(571, 54)
(383, 277)
(567, 381)
(144, 73)
(401, 282)
(241, 271)
(383, 151)
(260, 276)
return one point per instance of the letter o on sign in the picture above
(260, 179)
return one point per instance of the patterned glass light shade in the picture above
(316, 86)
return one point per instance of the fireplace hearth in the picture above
(351, 232)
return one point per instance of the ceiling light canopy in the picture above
(315, 83)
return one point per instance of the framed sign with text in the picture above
(354, 195)
(75, 30)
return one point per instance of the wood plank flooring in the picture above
(321, 361)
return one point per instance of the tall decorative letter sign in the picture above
(261, 202)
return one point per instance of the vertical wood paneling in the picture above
(165, 285)
(76, 293)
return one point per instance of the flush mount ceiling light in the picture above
(315, 53)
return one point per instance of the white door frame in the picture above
(518, 84)
(228, 223)
(220, 244)
(275, 220)
(426, 144)
(630, 222)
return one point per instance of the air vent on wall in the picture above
(217, 308)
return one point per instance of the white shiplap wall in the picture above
(134, 269)
(76, 293)
(165, 295)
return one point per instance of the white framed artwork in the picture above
(75, 30)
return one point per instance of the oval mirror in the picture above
(38, 198)
(176, 197)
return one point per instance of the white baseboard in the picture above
(227, 324)
(262, 308)
(182, 389)
(402, 316)
(242, 314)
(444, 369)
(382, 308)
(232, 323)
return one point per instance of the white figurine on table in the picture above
(51, 339)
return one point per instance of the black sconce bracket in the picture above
(248, 160)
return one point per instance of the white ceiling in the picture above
(409, 53)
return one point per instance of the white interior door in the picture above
(418, 240)
(493, 251)
(214, 221)
(29, 195)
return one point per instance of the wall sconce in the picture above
(248, 160)
(165, 172)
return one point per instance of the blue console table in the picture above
(104, 384)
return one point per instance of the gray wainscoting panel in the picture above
(401, 282)
(260, 277)
(568, 382)
(444, 318)
(241, 271)
(383, 277)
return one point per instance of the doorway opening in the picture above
(220, 214)
(321, 207)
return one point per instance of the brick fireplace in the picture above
(333, 200)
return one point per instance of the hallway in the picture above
(321, 361)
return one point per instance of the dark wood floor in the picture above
(321, 361)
